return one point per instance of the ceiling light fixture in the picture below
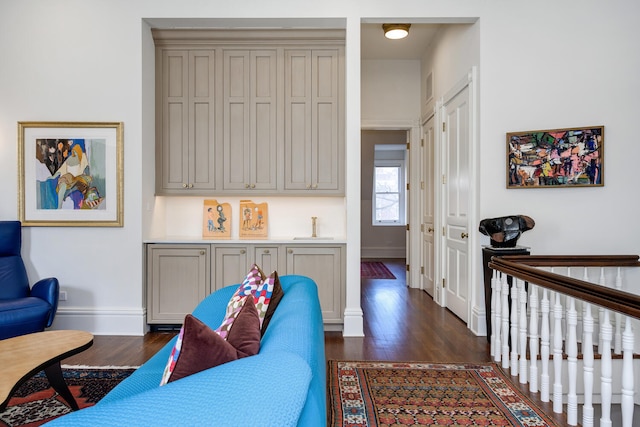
(396, 31)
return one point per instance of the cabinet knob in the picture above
(190, 185)
(464, 235)
(202, 252)
(253, 186)
(314, 186)
(290, 251)
(430, 230)
(184, 185)
(246, 186)
(266, 251)
(242, 251)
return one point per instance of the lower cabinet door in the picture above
(177, 280)
(324, 265)
(231, 265)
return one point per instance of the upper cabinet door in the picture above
(314, 141)
(250, 120)
(185, 121)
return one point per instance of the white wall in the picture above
(542, 65)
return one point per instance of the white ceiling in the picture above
(374, 45)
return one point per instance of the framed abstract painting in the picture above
(70, 174)
(556, 158)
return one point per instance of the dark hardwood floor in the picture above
(400, 323)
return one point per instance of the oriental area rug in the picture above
(419, 394)
(375, 270)
(35, 402)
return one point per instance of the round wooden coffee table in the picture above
(24, 356)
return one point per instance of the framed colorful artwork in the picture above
(556, 158)
(254, 219)
(216, 220)
(70, 174)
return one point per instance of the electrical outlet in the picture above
(63, 296)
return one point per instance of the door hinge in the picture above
(443, 282)
(407, 227)
(408, 145)
(444, 179)
(443, 232)
(421, 142)
(407, 186)
(422, 270)
(444, 126)
(422, 228)
(407, 267)
(422, 185)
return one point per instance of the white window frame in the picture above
(401, 191)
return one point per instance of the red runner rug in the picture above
(375, 270)
(35, 402)
(418, 394)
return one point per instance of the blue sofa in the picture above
(283, 385)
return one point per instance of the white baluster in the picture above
(492, 317)
(496, 315)
(544, 347)
(585, 278)
(601, 282)
(533, 338)
(606, 332)
(617, 337)
(522, 298)
(505, 322)
(514, 328)
(572, 362)
(557, 355)
(627, 374)
(587, 357)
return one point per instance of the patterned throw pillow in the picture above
(249, 286)
(199, 347)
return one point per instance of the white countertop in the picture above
(269, 240)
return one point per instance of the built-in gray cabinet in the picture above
(179, 276)
(250, 120)
(243, 112)
(325, 265)
(185, 121)
(314, 149)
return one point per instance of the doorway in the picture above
(383, 231)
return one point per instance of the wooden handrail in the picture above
(576, 260)
(523, 267)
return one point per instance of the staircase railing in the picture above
(541, 316)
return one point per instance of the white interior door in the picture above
(456, 192)
(427, 186)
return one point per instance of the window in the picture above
(389, 192)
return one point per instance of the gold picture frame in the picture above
(70, 174)
(556, 158)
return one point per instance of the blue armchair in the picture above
(23, 310)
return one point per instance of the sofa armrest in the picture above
(265, 390)
(49, 290)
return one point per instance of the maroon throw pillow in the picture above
(202, 348)
(244, 334)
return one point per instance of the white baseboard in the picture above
(478, 323)
(102, 322)
(383, 252)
